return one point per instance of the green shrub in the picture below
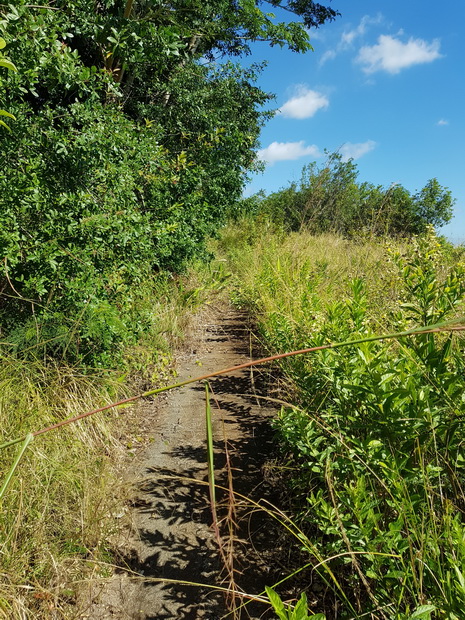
(375, 442)
(331, 199)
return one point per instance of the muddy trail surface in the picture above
(171, 535)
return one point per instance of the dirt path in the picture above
(171, 536)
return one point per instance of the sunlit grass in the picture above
(375, 445)
(54, 509)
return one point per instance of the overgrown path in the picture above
(172, 537)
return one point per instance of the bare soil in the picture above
(170, 536)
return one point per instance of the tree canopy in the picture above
(135, 132)
(330, 198)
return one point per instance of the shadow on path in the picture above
(171, 512)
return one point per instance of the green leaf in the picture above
(7, 63)
(2, 124)
(423, 612)
(300, 611)
(277, 604)
(460, 578)
(4, 113)
(27, 440)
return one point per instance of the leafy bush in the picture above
(84, 221)
(115, 171)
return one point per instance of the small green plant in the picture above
(286, 612)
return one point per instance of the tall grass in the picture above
(54, 514)
(375, 442)
(57, 512)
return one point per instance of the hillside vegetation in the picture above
(128, 130)
(373, 436)
(330, 197)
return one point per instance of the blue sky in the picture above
(385, 85)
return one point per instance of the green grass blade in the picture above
(18, 458)
(210, 454)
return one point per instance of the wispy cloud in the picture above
(350, 35)
(351, 150)
(442, 121)
(304, 104)
(284, 151)
(392, 55)
(328, 55)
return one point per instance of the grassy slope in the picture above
(374, 439)
(56, 518)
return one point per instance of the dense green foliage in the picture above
(6, 63)
(129, 144)
(132, 132)
(374, 442)
(330, 198)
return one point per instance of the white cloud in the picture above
(442, 121)
(328, 55)
(391, 55)
(350, 150)
(304, 104)
(348, 37)
(316, 35)
(284, 151)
